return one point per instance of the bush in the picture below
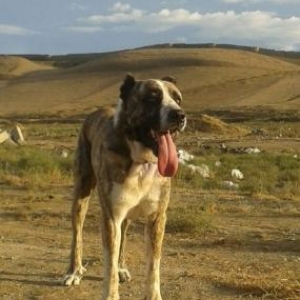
(34, 167)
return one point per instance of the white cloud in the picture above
(116, 17)
(120, 7)
(136, 19)
(267, 27)
(176, 16)
(14, 30)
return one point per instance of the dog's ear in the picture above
(169, 79)
(127, 86)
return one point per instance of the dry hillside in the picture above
(209, 79)
(11, 67)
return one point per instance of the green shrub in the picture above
(264, 173)
(189, 219)
(34, 167)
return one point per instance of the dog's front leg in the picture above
(154, 234)
(124, 274)
(76, 270)
(111, 236)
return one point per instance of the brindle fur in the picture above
(116, 155)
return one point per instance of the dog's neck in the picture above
(141, 154)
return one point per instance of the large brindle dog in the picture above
(128, 153)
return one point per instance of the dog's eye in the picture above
(177, 98)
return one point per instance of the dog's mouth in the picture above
(166, 152)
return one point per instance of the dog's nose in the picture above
(177, 116)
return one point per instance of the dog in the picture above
(128, 154)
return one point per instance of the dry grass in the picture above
(11, 67)
(213, 126)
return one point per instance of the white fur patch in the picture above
(139, 195)
(168, 104)
(140, 153)
(117, 113)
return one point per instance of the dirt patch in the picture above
(250, 251)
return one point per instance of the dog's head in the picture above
(149, 112)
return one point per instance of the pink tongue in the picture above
(167, 155)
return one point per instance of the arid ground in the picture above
(220, 243)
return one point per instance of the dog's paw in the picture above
(73, 278)
(124, 275)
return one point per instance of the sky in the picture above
(93, 26)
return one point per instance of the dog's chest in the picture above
(140, 194)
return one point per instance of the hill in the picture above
(210, 79)
(12, 66)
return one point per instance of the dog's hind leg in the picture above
(84, 183)
(124, 274)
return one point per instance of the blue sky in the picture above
(82, 26)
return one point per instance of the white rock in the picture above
(230, 184)
(237, 174)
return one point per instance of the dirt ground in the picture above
(251, 249)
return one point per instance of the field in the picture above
(221, 243)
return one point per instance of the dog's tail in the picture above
(83, 171)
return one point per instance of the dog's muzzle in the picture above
(177, 119)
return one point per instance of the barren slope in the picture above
(12, 66)
(208, 78)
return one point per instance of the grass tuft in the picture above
(191, 220)
(32, 167)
